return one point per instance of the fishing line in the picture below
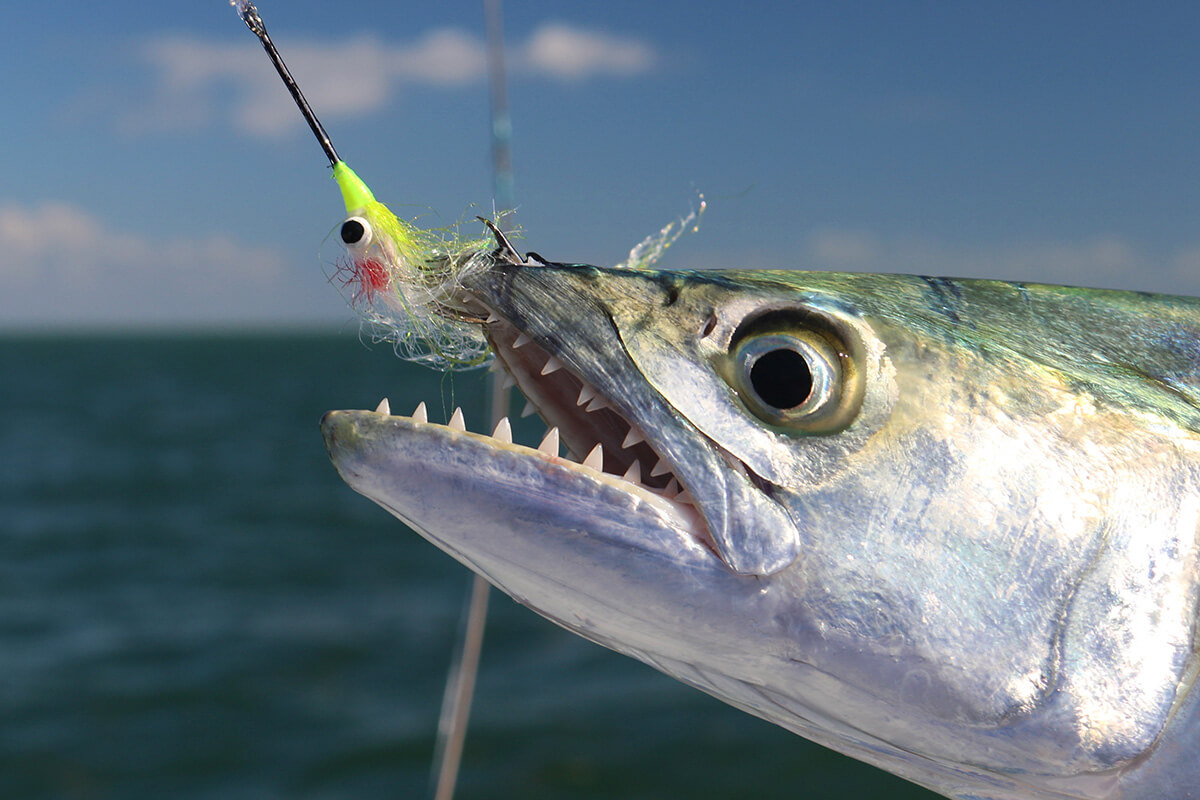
(460, 680)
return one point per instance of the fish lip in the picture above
(554, 396)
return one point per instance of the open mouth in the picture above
(589, 426)
(581, 420)
(584, 418)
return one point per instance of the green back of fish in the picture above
(1132, 350)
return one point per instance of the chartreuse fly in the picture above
(402, 279)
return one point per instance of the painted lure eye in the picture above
(795, 377)
(356, 233)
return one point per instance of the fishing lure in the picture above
(403, 280)
(400, 278)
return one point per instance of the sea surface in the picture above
(193, 604)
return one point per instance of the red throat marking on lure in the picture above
(365, 277)
(372, 276)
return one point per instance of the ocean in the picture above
(193, 604)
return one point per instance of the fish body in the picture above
(947, 527)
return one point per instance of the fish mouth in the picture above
(589, 424)
(601, 444)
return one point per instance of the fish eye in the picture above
(795, 375)
(784, 375)
(356, 233)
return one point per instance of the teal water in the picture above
(193, 605)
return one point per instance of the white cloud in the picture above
(565, 52)
(1100, 261)
(442, 58)
(62, 265)
(198, 80)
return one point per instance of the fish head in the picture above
(877, 510)
(671, 374)
(733, 388)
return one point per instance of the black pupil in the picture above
(352, 231)
(782, 378)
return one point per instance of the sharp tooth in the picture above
(508, 381)
(550, 442)
(521, 341)
(495, 365)
(503, 431)
(684, 497)
(493, 317)
(586, 392)
(633, 437)
(595, 459)
(456, 420)
(552, 365)
(634, 473)
(597, 403)
(529, 410)
(671, 489)
(661, 468)
(420, 414)
(384, 407)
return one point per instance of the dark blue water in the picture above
(192, 605)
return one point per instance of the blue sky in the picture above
(154, 172)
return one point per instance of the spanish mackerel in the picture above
(948, 527)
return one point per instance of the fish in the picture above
(946, 527)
